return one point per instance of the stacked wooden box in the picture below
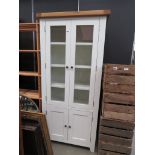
(118, 110)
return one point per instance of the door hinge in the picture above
(46, 98)
(45, 65)
(44, 28)
(96, 68)
(46, 112)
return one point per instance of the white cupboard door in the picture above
(84, 36)
(79, 127)
(57, 120)
(57, 62)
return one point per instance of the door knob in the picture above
(65, 126)
(67, 67)
(71, 67)
(69, 126)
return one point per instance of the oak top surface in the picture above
(74, 14)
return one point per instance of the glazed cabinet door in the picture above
(57, 120)
(57, 62)
(79, 128)
(84, 36)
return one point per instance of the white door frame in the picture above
(67, 61)
(95, 23)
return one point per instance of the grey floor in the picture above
(66, 149)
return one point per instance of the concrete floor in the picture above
(66, 149)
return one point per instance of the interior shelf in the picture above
(58, 85)
(83, 66)
(29, 51)
(83, 43)
(58, 43)
(57, 65)
(28, 73)
(33, 94)
(28, 27)
(81, 87)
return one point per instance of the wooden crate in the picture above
(104, 152)
(122, 129)
(118, 110)
(119, 69)
(119, 89)
(115, 137)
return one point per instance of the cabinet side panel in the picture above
(100, 54)
(43, 58)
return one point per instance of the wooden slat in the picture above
(115, 140)
(113, 88)
(118, 69)
(114, 148)
(119, 116)
(116, 124)
(119, 79)
(104, 152)
(119, 108)
(119, 98)
(29, 51)
(116, 132)
(74, 14)
(27, 27)
(28, 73)
(33, 94)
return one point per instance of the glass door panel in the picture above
(57, 94)
(84, 33)
(84, 49)
(57, 54)
(58, 33)
(82, 76)
(57, 75)
(83, 56)
(81, 96)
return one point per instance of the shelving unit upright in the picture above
(33, 94)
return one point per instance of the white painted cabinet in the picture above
(72, 59)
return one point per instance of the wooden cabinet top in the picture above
(74, 14)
